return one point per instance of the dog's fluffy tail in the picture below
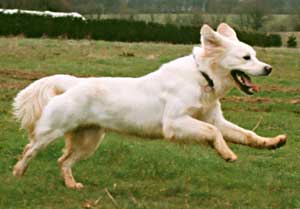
(29, 103)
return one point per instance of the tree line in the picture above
(157, 6)
(35, 26)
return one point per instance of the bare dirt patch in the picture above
(283, 89)
(19, 74)
(260, 100)
(13, 85)
(18, 79)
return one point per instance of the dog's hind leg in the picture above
(31, 142)
(79, 144)
(43, 139)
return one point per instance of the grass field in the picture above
(152, 173)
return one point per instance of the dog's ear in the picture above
(227, 31)
(209, 38)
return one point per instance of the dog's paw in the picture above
(18, 170)
(76, 185)
(280, 140)
(231, 158)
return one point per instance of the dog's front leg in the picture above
(186, 128)
(235, 134)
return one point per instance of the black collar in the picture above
(210, 82)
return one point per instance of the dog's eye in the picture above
(247, 57)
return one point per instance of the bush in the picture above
(114, 30)
(292, 41)
(260, 39)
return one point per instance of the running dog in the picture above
(179, 102)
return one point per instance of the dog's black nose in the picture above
(268, 69)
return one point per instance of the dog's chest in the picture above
(202, 110)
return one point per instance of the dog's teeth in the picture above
(241, 79)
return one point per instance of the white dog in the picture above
(178, 102)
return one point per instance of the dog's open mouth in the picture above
(244, 82)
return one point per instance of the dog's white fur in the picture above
(172, 103)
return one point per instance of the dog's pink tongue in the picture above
(254, 87)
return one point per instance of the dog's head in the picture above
(234, 57)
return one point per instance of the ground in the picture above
(128, 172)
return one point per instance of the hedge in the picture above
(33, 26)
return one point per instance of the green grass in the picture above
(151, 173)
